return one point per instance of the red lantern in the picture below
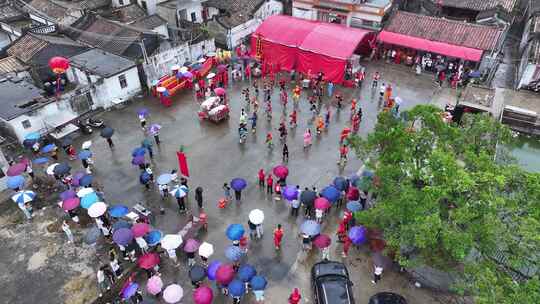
(59, 65)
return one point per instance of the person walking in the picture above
(269, 184)
(199, 196)
(325, 252)
(227, 192)
(181, 204)
(285, 153)
(25, 210)
(295, 297)
(259, 295)
(143, 245)
(278, 237)
(113, 262)
(259, 229)
(377, 273)
(191, 258)
(110, 142)
(347, 242)
(156, 137)
(330, 89)
(252, 229)
(307, 138)
(237, 195)
(67, 231)
(295, 206)
(172, 255)
(261, 178)
(102, 282)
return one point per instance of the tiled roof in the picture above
(16, 95)
(129, 13)
(101, 63)
(11, 64)
(149, 22)
(9, 12)
(444, 30)
(48, 8)
(478, 5)
(30, 44)
(238, 11)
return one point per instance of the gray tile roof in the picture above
(16, 98)
(101, 63)
(238, 11)
(30, 44)
(149, 22)
(479, 5)
(129, 13)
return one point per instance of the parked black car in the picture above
(387, 298)
(331, 284)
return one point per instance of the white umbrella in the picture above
(256, 216)
(206, 249)
(171, 241)
(50, 169)
(178, 192)
(23, 197)
(161, 89)
(173, 293)
(175, 67)
(202, 60)
(84, 192)
(87, 144)
(183, 69)
(211, 75)
(97, 209)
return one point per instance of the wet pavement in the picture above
(214, 157)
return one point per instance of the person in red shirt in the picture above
(342, 231)
(278, 236)
(248, 72)
(347, 242)
(356, 123)
(295, 297)
(261, 177)
(343, 153)
(270, 184)
(293, 117)
(244, 243)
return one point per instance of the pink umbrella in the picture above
(71, 203)
(191, 245)
(203, 295)
(322, 203)
(140, 229)
(154, 285)
(148, 260)
(220, 91)
(225, 274)
(322, 241)
(281, 171)
(17, 169)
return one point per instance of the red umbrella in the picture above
(281, 171)
(140, 229)
(353, 194)
(148, 260)
(203, 295)
(322, 203)
(322, 241)
(71, 203)
(377, 245)
(220, 91)
(225, 274)
(16, 169)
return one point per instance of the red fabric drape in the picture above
(182, 163)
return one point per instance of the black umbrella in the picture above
(308, 197)
(197, 273)
(67, 141)
(61, 169)
(107, 132)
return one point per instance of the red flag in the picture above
(182, 163)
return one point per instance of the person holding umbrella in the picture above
(238, 184)
(258, 284)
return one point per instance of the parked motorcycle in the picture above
(95, 122)
(85, 128)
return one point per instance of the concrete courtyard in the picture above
(39, 266)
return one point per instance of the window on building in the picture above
(182, 14)
(26, 124)
(193, 17)
(121, 2)
(143, 4)
(122, 80)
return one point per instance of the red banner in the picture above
(182, 163)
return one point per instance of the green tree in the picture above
(444, 200)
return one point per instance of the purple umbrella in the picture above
(290, 193)
(75, 180)
(130, 290)
(238, 184)
(154, 129)
(191, 245)
(138, 160)
(123, 236)
(67, 194)
(143, 112)
(358, 235)
(187, 74)
(212, 269)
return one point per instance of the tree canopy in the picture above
(444, 199)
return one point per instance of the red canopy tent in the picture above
(308, 46)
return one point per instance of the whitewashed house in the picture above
(112, 79)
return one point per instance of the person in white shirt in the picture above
(142, 244)
(377, 273)
(102, 227)
(67, 231)
(319, 215)
(326, 253)
(172, 255)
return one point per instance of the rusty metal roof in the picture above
(443, 30)
(11, 64)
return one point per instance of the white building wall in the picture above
(193, 7)
(4, 40)
(120, 3)
(162, 30)
(110, 90)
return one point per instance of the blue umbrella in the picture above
(144, 178)
(341, 183)
(88, 200)
(40, 160)
(48, 148)
(118, 211)
(138, 160)
(258, 283)
(85, 154)
(246, 272)
(139, 151)
(164, 179)
(86, 180)
(290, 193)
(238, 184)
(153, 237)
(212, 269)
(368, 174)
(14, 182)
(32, 136)
(354, 206)
(233, 253)
(130, 290)
(237, 288)
(331, 193)
(121, 224)
(61, 169)
(311, 228)
(23, 197)
(67, 194)
(235, 232)
(358, 235)
(92, 235)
